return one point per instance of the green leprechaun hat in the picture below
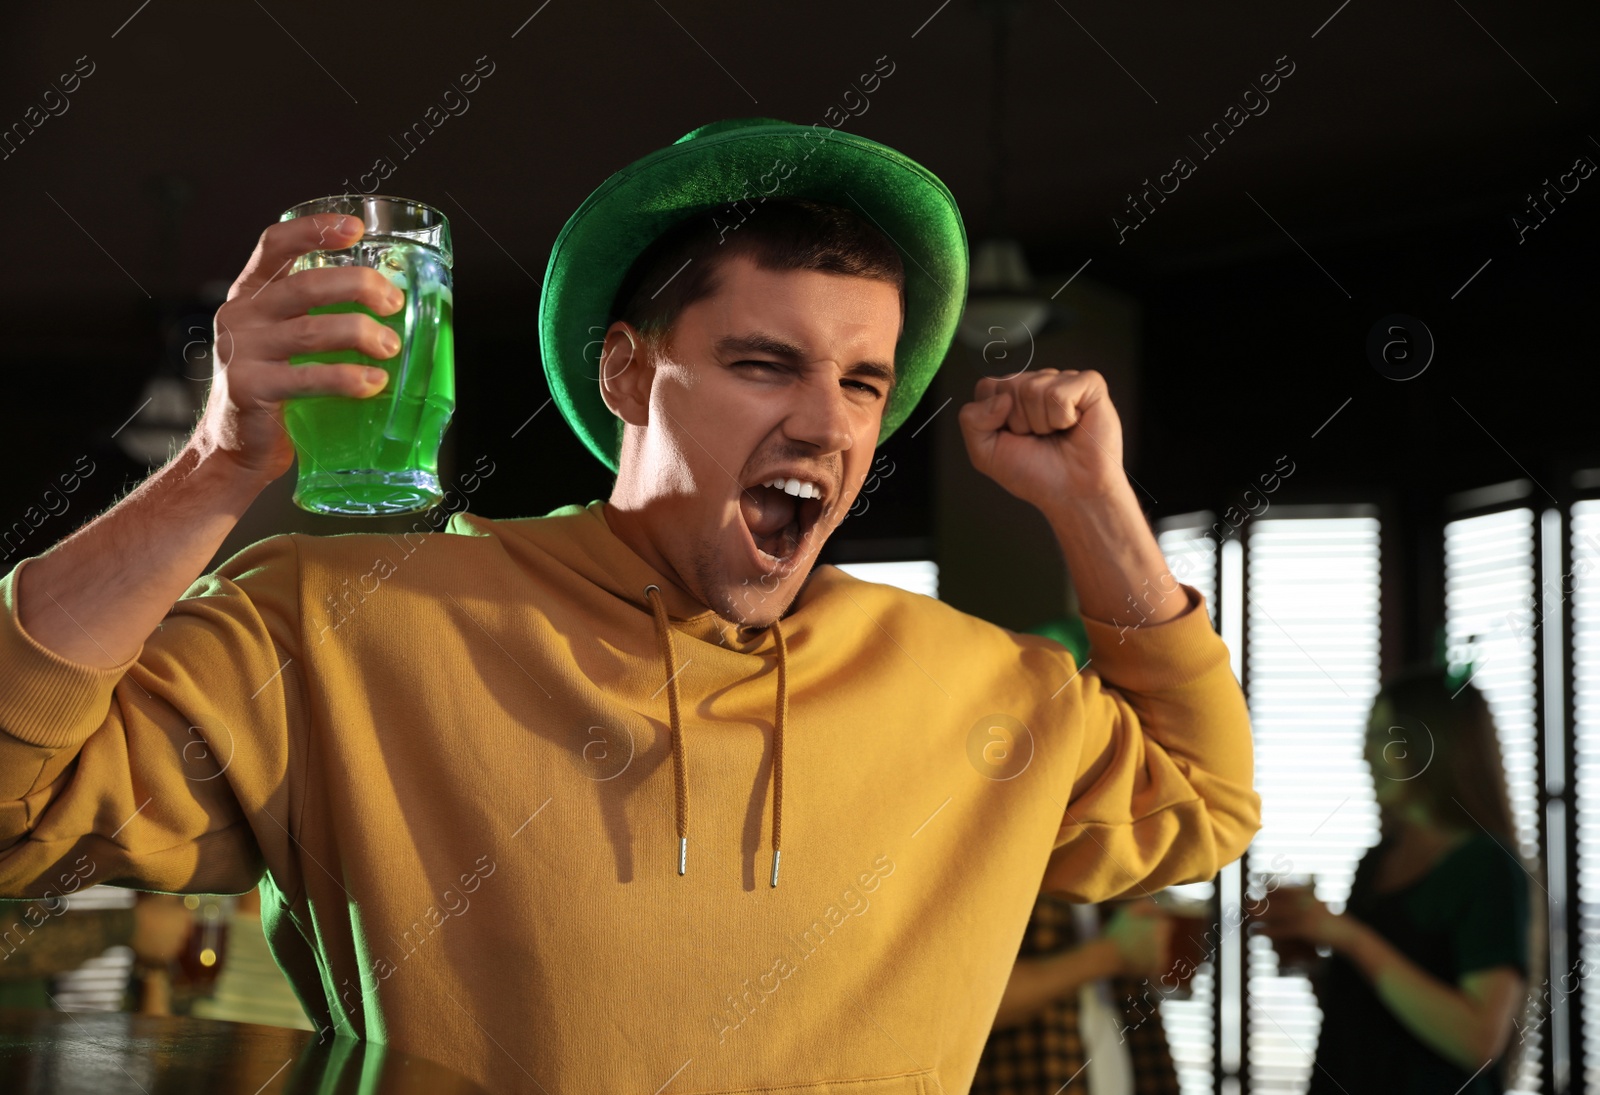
(709, 169)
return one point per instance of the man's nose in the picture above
(822, 416)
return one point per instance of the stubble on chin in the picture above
(753, 603)
(714, 588)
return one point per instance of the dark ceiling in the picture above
(1393, 115)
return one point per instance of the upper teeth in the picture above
(797, 487)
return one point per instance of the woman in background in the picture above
(1432, 953)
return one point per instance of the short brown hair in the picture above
(779, 234)
(1462, 770)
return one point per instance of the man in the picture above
(469, 807)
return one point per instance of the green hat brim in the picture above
(744, 161)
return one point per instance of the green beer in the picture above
(379, 454)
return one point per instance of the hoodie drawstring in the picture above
(679, 764)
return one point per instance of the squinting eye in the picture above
(864, 387)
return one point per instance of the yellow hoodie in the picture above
(452, 754)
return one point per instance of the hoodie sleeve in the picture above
(149, 774)
(1162, 788)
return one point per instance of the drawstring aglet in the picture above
(775, 855)
(683, 854)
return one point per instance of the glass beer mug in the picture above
(379, 454)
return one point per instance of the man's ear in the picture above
(626, 373)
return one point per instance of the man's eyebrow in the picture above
(759, 342)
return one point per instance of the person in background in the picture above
(1433, 950)
(1069, 1017)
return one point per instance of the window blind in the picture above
(1312, 618)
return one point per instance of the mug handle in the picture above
(405, 413)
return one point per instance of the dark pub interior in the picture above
(1108, 491)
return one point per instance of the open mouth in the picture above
(780, 514)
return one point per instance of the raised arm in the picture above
(1163, 781)
(140, 759)
(1053, 439)
(95, 597)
